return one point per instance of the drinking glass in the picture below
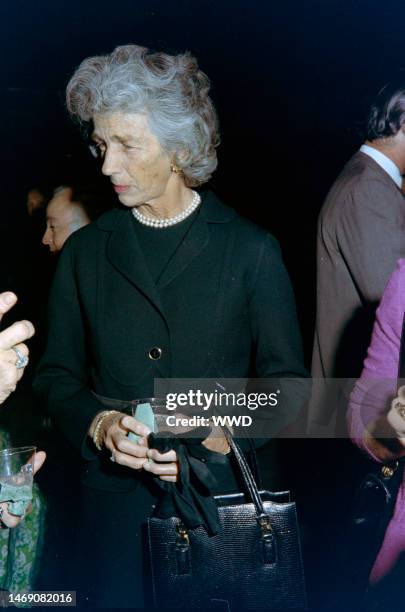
(17, 468)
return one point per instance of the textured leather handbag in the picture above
(254, 562)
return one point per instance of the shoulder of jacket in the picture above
(355, 194)
(253, 242)
(84, 237)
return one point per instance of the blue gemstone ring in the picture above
(22, 360)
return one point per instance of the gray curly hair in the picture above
(170, 88)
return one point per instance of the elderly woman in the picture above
(171, 284)
(377, 426)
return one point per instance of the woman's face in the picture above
(132, 157)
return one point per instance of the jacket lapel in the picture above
(125, 254)
(193, 243)
(197, 238)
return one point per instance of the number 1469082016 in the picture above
(39, 598)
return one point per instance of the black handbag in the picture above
(254, 562)
(374, 505)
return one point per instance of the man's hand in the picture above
(11, 338)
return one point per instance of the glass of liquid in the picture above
(17, 473)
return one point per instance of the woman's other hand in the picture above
(217, 442)
(164, 465)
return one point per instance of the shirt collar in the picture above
(384, 162)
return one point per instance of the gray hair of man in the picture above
(169, 88)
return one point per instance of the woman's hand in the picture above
(217, 442)
(135, 455)
(164, 465)
(114, 431)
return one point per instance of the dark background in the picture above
(291, 81)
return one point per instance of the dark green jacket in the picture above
(106, 314)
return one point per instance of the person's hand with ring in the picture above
(113, 436)
(8, 520)
(13, 351)
(163, 465)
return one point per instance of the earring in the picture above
(174, 168)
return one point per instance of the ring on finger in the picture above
(112, 458)
(22, 360)
(146, 464)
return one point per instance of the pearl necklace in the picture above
(159, 223)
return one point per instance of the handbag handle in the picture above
(249, 482)
(247, 477)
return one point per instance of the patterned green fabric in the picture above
(21, 547)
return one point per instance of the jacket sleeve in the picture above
(276, 336)
(371, 237)
(373, 392)
(62, 379)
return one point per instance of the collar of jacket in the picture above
(381, 174)
(125, 254)
(212, 211)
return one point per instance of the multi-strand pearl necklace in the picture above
(171, 220)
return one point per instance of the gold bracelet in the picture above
(97, 429)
